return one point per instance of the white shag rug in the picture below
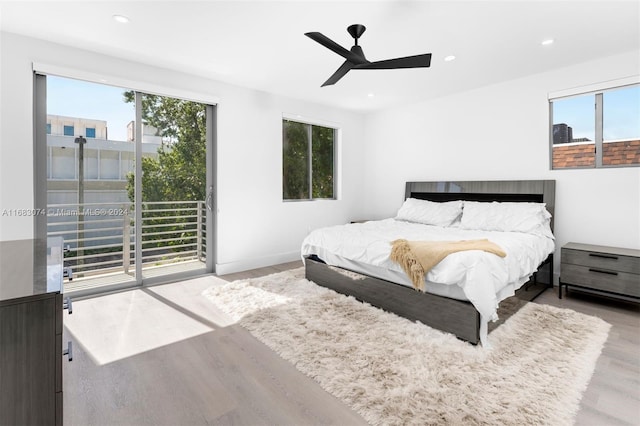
(396, 372)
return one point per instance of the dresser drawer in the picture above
(601, 279)
(611, 262)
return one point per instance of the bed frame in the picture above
(450, 315)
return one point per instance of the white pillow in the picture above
(543, 229)
(532, 218)
(429, 212)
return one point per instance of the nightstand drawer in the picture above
(601, 279)
(611, 262)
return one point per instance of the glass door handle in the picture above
(209, 200)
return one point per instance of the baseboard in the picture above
(261, 262)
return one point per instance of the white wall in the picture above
(501, 132)
(255, 227)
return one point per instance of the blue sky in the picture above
(621, 114)
(77, 98)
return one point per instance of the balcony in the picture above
(100, 241)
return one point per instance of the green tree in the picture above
(295, 161)
(179, 172)
(322, 161)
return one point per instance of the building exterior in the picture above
(106, 166)
(149, 133)
(623, 152)
(60, 125)
(106, 162)
(562, 133)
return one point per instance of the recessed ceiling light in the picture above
(547, 42)
(121, 19)
(449, 58)
(371, 95)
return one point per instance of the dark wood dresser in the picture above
(609, 271)
(31, 351)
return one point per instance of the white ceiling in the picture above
(260, 44)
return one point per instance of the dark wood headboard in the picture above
(533, 191)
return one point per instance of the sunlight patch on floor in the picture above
(119, 325)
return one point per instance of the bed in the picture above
(451, 308)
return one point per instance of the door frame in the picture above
(40, 182)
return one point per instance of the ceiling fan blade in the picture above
(332, 45)
(417, 61)
(344, 68)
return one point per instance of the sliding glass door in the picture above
(172, 213)
(127, 180)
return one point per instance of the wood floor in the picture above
(613, 394)
(164, 355)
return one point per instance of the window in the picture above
(308, 161)
(599, 129)
(68, 131)
(48, 128)
(90, 132)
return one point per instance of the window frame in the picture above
(296, 118)
(597, 90)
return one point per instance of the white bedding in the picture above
(482, 278)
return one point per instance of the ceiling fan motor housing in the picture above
(356, 30)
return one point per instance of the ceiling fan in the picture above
(355, 58)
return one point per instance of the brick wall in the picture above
(582, 154)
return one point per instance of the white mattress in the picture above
(482, 278)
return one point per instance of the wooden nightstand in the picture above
(609, 271)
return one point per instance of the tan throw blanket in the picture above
(418, 257)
